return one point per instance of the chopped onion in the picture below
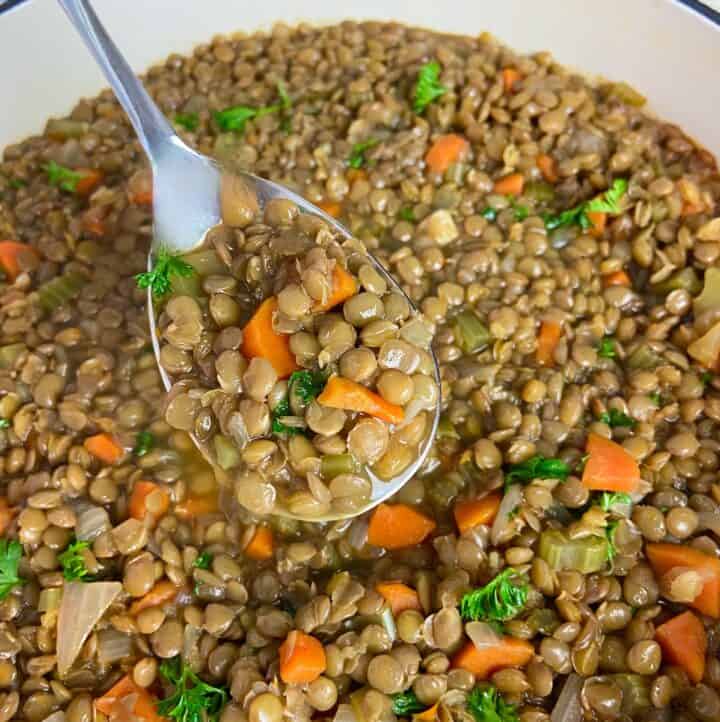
(513, 497)
(706, 349)
(92, 521)
(344, 714)
(49, 600)
(388, 622)
(82, 607)
(482, 635)
(113, 646)
(568, 707)
(358, 534)
(191, 648)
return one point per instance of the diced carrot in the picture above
(140, 187)
(548, 339)
(344, 286)
(665, 557)
(510, 185)
(89, 180)
(684, 643)
(260, 339)
(194, 506)
(508, 652)
(93, 220)
(396, 526)
(160, 501)
(690, 209)
(510, 77)
(145, 703)
(15, 257)
(399, 596)
(470, 513)
(332, 208)
(428, 715)
(341, 393)
(104, 447)
(163, 592)
(446, 150)
(598, 219)
(262, 544)
(6, 515)
(356, 174)
(548, 167)
(609, 467)
(617, 278)
(302, 658)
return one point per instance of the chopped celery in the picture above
(636, 692)
(626, 94)
(644, 357)
(60, 290)
(685, 279)
(586, 555)
(332, 465)
(10, 354)
(64, 128)
(540, 191)
(471, 334)
(446, 429)
(205, 262)
(226, 452)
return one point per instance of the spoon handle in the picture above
(150, 124)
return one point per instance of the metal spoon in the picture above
(186, 204)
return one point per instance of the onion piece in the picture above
(482, 635)
(568, 707)
(513, 497)
(82, 607)
(92, 521)
(113, 646)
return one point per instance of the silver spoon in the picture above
(186, 204)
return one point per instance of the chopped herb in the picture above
(487, 705)
(501, 599)
(193, 700)
(236, 117)
(608, 202)
(514, 512)
(17, 183)
(189, 121)
(357, 153)
(144, 443)
(166, 265)
(610, 536)
(407, 214)
(521, 212)
(606, 348)
(609, 499)
(406, 703)
(706, 378)
(656, 398)
(614, 418)
(283, 409)
(73, 562)
(203, 560)
(537, 467)
(428, 87)
(4, 423)
(10, 555)
(306, 385)
(488, 213)
(62, 177)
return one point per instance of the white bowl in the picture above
(669, 50)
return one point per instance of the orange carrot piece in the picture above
(399, 596)
(332, 208)
(140, 187)
(302, 658)
(548, 339)
(138, 500)
(194, 506)
(396, 526)
(598, 219)
(470, 513)
(89, 180)
(6, 515)
(341, 393)
(260, 339)
(510, 77)
(145, 703)
(609, 467)
(665, 557)
(446, 150)
(11, 255)
(93, 221)
(356, 174)
(548, 167)
(510, 185)
(104, 447)
(508, 652)
(429, 715)
(684, 643)
(344, 286)
(262, 545)
(690, 209)
(163, 592)
(617, 278)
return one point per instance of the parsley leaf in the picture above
(537, 467)
(203, 561)
(521, 212)
(235, 118)
(610, 536)
(486, 705)
(488, 213)
(10, 554)
(406, 703)
(656, 398)
(614, 418)
(277, 427)
(62, 177)
(73, 562)
(407, 214)
(4, 423)
(606, 348)
(17, 183)
(144, 443)
(501, 599)
(189, 121)
(357, 153)
(706, 378)
(609, 499)
(193, 700)
(428, 87)
(607, 202)
(166, 265)
(306, 385)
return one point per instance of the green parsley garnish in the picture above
(614, 418)
(306, 385)
(610, 536)
(405, 704)
(656, 398)
(144, 443)
(608, 202)
(203, 560)
(62, 177)
(606, 348)
(488, 213)
(4, 423)
(428, 87)
(10, 555)
(73, 562)
(166, 265)
(487, 705)
(280, 410)
(17, 183)
(537, 467)
(609, 499)
(189, 121)
(497, 601)
(521, 212)
(357, 153)
(193, 700)
(407, 214)
(706, 378)
(235, 118)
